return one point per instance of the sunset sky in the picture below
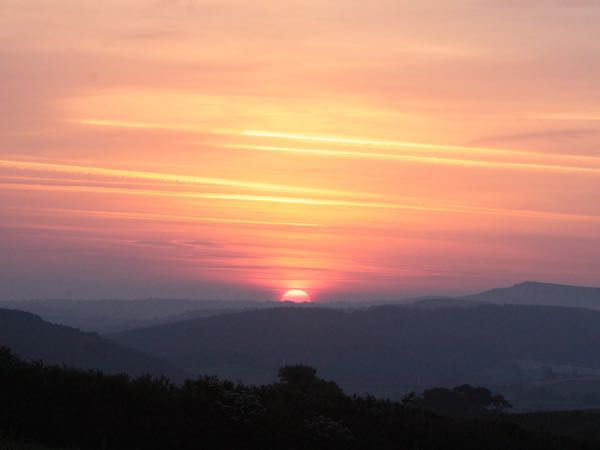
(353, 149)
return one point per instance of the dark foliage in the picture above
(57, 406)
(462, 400)
(584, 425)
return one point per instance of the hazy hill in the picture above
(386, 350)
(108, 316)
(443, 302)
(31, 337)
(117, 315)
(534, 293)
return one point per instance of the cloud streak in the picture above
(413, 146)
(152, 217)
(487, 164)
(425, 206)
(161, 177)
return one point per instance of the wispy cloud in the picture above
(543, 135)
(427, 205)
(163, 177)
(306, 201)
(488, 164)
(154, 217)
(412, 146)
(190, 127)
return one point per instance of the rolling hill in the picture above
(388, 350)
(32, 338)
(534, 293)
(112, 316)
(105, 316)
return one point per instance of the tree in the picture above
(298, 375)
(465, 400)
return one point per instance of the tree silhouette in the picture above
(61, 407)
(298, 375)
(465, 400)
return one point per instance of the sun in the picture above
(296, 296)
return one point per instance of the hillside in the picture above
(31, 337)
(390, 350)
(534, 293)
(112, 316)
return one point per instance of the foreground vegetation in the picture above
(67, 408)
(6, 444)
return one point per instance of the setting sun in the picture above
(295, 296)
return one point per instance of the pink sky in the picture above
(237, 149)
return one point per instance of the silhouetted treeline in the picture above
(462, 400)
(56, 406)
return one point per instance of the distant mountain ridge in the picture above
(536, 293)
(443, 302)
(32, 338)
(109, 316)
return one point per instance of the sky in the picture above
(234, 149)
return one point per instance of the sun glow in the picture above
(295, 296)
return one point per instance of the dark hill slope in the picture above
(106, 316)
(33, 338)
